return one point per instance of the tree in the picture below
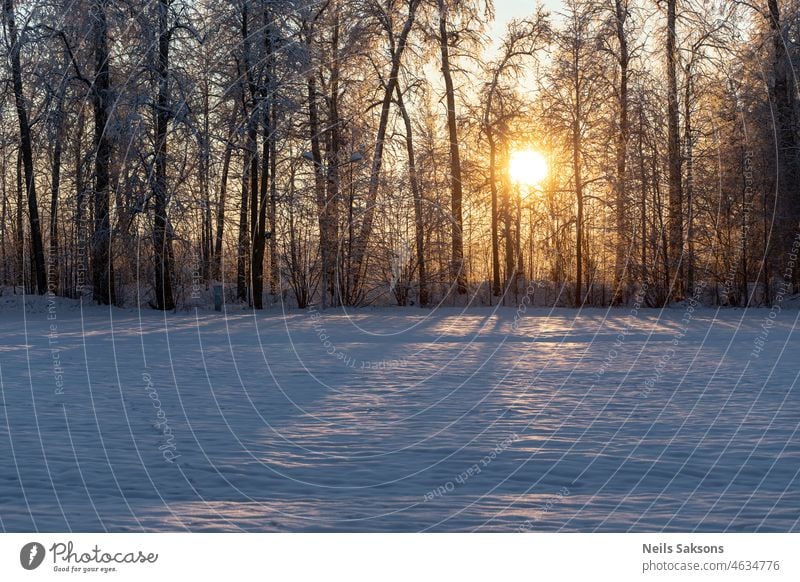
(102, 262)
(162, 243)
(416, 192)
(783, 97)
(623, 55)
(456, 191)
(26, 147)
(522, 40)
(397, 48)
(675, 222)
(574, 84)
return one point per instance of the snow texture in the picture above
(484, 419)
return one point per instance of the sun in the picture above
(527, 167)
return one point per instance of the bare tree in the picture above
(397, 48)
(102, 266)
(675, 206)
(416, 192)
(623, 56)
(162, 243)
(26, 147)
(456, 190)
(522, 40)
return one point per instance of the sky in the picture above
(505, 10)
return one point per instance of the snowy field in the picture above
(398, 420)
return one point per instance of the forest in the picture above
(399, 152)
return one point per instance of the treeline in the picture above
(352, 152)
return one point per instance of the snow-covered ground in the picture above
(398, 420)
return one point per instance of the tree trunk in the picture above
(102, 267)
(256, 224)
(265, 198)
(643, 200)
(577, 145)
(323, 212)
(518, 244)
(495, 234)
(20, 224)
(206, 244)
(457, 268)
(620, 279)
(675, 203)
(223, 192)
(260, 228)
(244, 234)
(358, 262)
(576, 169)
(254, 246)
(782, 95)
(26, 147)
(689, 190)
(489, 129)
(333, 163)
(162, 238)
(416, 192)
(3, 240)
(508, 233)
(79, 265)
(4, 247)
(274, 273)
(53, 260)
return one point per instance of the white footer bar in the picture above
(400, 557)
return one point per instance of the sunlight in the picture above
(527, 167)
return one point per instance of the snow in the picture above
(398, 419)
